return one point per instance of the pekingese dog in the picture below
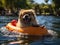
(26, 18)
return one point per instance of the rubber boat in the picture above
(31, 30)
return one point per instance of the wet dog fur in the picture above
(31, 14)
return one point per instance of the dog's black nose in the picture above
(26, 18)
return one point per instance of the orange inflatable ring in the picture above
(28, 30)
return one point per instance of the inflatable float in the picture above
(31, 30)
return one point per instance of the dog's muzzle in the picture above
(26, 18)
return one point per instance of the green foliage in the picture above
(23, 3)
(2, 3)
(27, 4)
(57, 3)
(16, 3)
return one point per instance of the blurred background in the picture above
(41, 7)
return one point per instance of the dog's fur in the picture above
(32, 16)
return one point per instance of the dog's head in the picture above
(27, 17)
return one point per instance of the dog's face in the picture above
(27, 17)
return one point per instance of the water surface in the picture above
(51, 22)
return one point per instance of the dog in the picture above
(26, 18)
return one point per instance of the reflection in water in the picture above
(51, 22)
(31, 40)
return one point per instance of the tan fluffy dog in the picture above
(26, 18)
